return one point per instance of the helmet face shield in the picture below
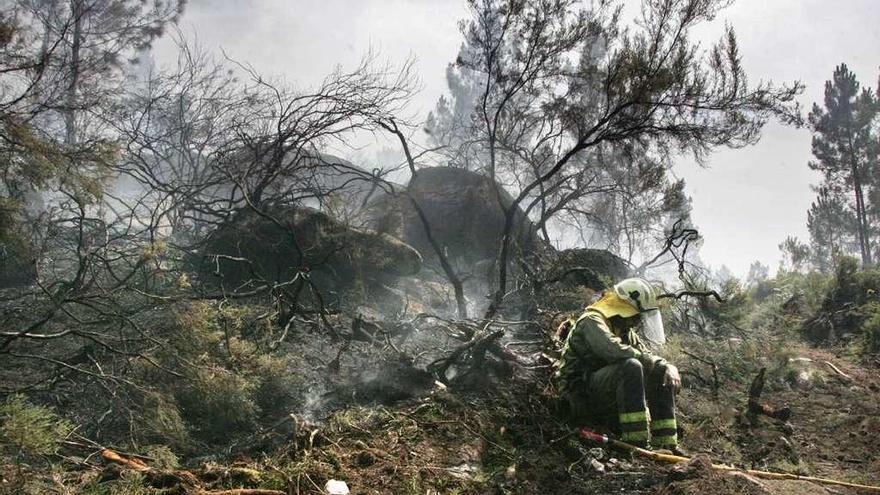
(652, 327)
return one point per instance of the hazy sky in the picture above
(745, 203)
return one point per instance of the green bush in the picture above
(230, 378)
(851, 285)
(129, 483)
(162, 422)
(705, 316)
(162, 457)
(809, 289)
(30, 430)
(277, 385)
(871, 326)
(219, 402)
(280, 387)
(851, 304)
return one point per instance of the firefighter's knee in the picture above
(631, 367)
(658, 370)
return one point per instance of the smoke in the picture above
(314, 405)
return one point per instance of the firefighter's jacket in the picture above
(592, 345)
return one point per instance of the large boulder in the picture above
(592, 268)
(573, 276)
(254, 249)
(464, 211)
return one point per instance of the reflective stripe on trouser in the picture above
(631, 406)
(661, 401)
(618, 392)
(664, 433)
(634, 427)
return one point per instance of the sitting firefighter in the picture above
(605, 371)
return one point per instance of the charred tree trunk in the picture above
(78, 12)
(756, 407)
(448, 270)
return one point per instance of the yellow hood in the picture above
(612, 305)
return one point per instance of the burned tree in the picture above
(539, 112)
(118, 312)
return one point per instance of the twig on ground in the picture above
(242, 491)
(838, 371)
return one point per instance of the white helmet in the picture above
(639, 293)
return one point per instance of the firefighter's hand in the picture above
(672, 378)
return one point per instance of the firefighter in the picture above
(607, 372)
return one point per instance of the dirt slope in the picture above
(509, 440)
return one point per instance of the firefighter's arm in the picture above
(599, 339)
(649, 361)
(671, 377)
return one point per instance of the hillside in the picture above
(501, 433)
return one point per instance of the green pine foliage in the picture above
(233, 379)
(871, 327)
(29, 431)
(162, 457)
(844, 146)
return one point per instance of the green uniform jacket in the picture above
(592, 345)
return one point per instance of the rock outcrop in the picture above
(464, 210)
(251, 248)
(573, 276)
(592, 268)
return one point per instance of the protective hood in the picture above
(652, 327)
(612, 305)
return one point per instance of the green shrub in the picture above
(851, 303)
(31, 430)
(851, 285)
(231, 379)
(129, 483)
(280, 388)
(277, 385)
(219, 402)
(196, 332)
(809, 288)
(162, 457)
(871, 326)
(161, 422)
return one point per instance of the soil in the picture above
(508, 440)
(836, 420)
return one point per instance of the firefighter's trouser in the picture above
(644, 408)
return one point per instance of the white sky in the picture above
(745, 203)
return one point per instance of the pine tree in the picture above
(84, 45)
(842, 146)
(758, 273)
(549, 101)
(833, 229)
(795, 254)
